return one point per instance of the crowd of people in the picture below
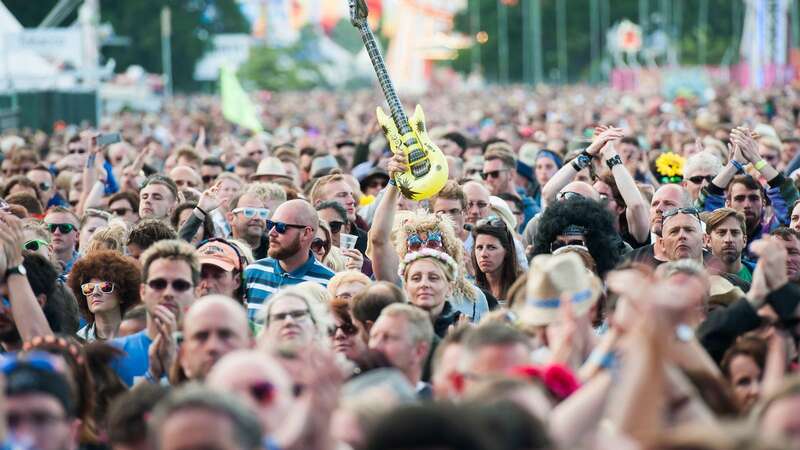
(601, 270)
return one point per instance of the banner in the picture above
(236, 105)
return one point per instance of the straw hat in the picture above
(723, 292)
(272, 167)
(550, 276)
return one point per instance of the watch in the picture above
(16, 270)
(613, 161)
(581, 162)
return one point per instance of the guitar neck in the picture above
(396, 108)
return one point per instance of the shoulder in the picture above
(132, 341)
(262, 265)
(320, 270)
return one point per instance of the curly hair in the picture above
(421, 221)
(107, 265)
(601, 238)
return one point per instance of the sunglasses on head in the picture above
(263, 391)
(249, 213)
(697, 179)
(567, 195)
(491, 174)
(34, 245)
(674, 212)
(319, 244)
(159, 284)
(433, 241)
(336, 226)
(555, 245)
(64, 228)
(667, 180)
(347, 328)
(281, 227)
(491, 221)
(105, 287)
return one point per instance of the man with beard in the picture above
(290, 261)
(214, 326)
(725, 237)
(170, 271)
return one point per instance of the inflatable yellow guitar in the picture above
(427, 166)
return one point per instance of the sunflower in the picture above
(670, 165)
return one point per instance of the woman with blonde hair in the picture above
(394, 235)
(293, 316)
(345, 285)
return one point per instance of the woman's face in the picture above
(426, 284)
(99, 301)
(745, 377)
(182, 218)
(43, 250)
(290, 321)
(345, 339)
(319, 251)
(91, 225)
(489, 253)
(346, 291)
(545, 169)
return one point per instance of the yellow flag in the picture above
(236, 105)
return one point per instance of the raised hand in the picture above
(771, 262)
(163, 349)
(11, 238)
(742, 137)
(397, 165)
(209, 199)
(602, 136)
(355, 260)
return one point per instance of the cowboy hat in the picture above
(548, 278)
(272, 167)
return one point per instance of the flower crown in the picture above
(428, 253)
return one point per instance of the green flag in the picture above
(236, 105)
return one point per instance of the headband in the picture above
(429, 253)
(544, 153)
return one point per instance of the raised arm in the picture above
(637, 211)
(383, 255)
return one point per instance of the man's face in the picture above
(478, 205)
(451, 208)
(389, 335)
(123, 209)
(197, 428)
(77, 148)
(748, 202)
(290, 321)
(795, 218)
(667, 198)
(335, 221)
(283, 246)
(727, 241)
(209, 174)
(44, 180)
(215, 280)
(40, 420)
(62, 242)
(184, 177)
(793, 261)
(341, 193)
(682, 238)
(168, 284)
(443, 387)
(211, 334)
(156, 202)
(770, 155)
(497, 176)
(449, 147)
(89, 227)
(244, 172)
(696, 181)
(249, 229)
(227, 190)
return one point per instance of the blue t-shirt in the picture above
(135, 362)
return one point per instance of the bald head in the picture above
(240, 371)
(299, 212)
(667, 197)
(584, 189)
(214, 326)
(185, 176)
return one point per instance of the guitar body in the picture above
(427, 166)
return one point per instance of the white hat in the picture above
(271, 166)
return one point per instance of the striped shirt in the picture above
(266, 276)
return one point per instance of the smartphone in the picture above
(108, 139)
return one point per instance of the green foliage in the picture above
(289, 68)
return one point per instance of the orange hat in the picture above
(220, 255)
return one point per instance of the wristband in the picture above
(581, 162)
(738, 165)
(392, 182)
(605, 361)
(205, 214)
(760, 165)
(613, 161)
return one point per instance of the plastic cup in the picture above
(347, 241)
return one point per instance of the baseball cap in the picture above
(219, 254)
(37, 374)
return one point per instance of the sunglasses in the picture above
(159, 284)
(64, 228)
(319, 244)
(377, 183)
(296, 315)
(555, 245)
(492, 174)
(699, 179)
(121, 211)
(105, 287)
(44, 186)
(208, 178)
(263, 391)
(567, 195)
(347, 328)
(434, 241)
(336, 226)
(249, 213)
(79, 151)
(281, 227)
(34, 245)
(255, 153)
